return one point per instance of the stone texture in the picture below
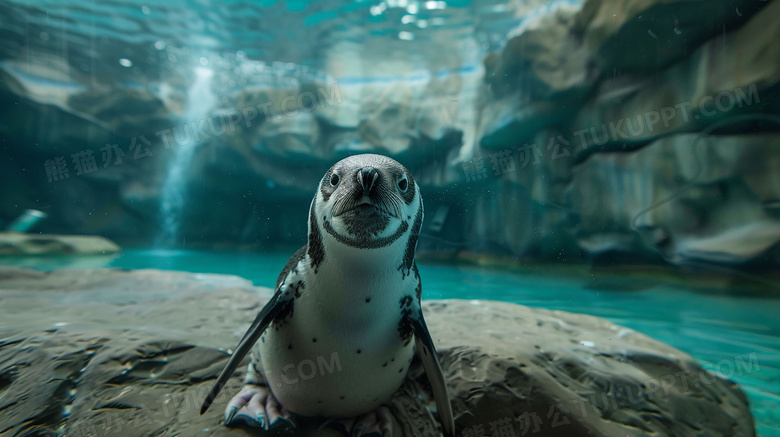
(730, 76)
(19, 243)
(48, 79)
(612, 107)
(580, 375)
(134, 352)
(667, 30)
(535, 81)
(688, 197)
(544, 54)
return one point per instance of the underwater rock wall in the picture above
(638, 128)
(622, 127)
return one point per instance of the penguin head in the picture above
(367, 202)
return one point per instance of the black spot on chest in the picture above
(287, 306)
(405, 324)
(411, 245)
(297, 288)
(418, 287)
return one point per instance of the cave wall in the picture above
(642, 128)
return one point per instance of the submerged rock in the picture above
(731, 77)
(589, 146)
(535, 81)
(690, 198)
(20, 243)
(666, 30)
(106, 352)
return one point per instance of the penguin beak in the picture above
(369, 193)
(367, 177)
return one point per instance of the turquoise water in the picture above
(737, 336)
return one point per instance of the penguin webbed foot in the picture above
(377, 423)
(257, 407)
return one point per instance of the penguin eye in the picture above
(403, 184)
(334, 179)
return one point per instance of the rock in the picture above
(515, 119)
(18, 243)
(535, 81)
(78, 199)
(727, 77)
(725, 85)
(667, 30)
(134, 352)
(48, 79)
(393, 103)
(693, 198)
(275, 120)
(544, 58)
(572, 374)
(290, 136)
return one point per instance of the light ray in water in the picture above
(200, 100)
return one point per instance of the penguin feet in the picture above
(257, 407)
(377, 423)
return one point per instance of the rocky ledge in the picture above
(132, 353)
(19, 243)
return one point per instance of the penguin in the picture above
(338, 336)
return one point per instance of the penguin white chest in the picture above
(343, 350)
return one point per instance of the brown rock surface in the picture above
(107, 352)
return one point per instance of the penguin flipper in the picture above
(427, 354)
(266, 315)
(263, 319)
